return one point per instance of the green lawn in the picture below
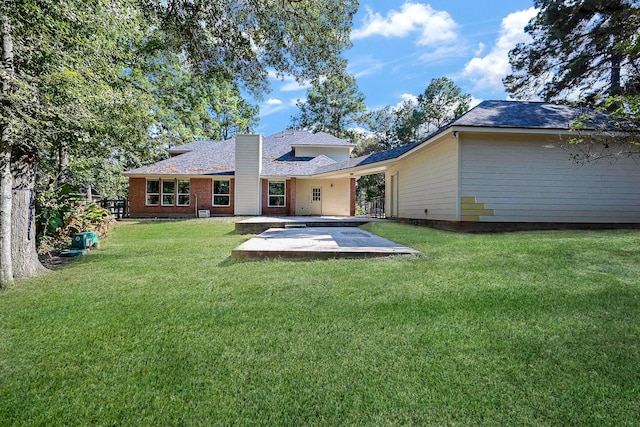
(160, 327)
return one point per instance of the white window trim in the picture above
(284, 196)
(162, 193)
(146, 192)
(213, 198)
(178, 194)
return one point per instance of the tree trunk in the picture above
(6, 72)
(616, 63)
(6, 270)
(23, 225)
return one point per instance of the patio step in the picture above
(257, 225)
(296, 225)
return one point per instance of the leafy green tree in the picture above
(57, 59)
(441, 102)
(186, 104)
(411, 121)
(241, 41)
(73, 83)
(577, 47)
(334, 106)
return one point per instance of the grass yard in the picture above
(159, 327)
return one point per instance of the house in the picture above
(246, 175)
(500, 165)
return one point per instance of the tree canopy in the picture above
(413, 120)
(241, 40)
(578, 48)
(409, 122)
(116, 80)
(333, 105)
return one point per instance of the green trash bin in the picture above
(94, 238)
(82, 240)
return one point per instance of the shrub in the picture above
(62, 211)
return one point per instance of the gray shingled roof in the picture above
(368, 159)
(521, 114)
(487, 114)
(218, 157)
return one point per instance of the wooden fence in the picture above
(118, 208)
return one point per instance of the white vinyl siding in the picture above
(528, 179)
(338, 154)
(247, 198)
(428, 179)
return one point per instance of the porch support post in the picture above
(292, 197)
(352, 198)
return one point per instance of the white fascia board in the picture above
(516, 131)
(350, 147)
(280, 177)
(356, 170)
(178, 176)
(323, 145)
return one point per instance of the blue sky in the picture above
(400, 46)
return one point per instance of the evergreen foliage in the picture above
(578, 50)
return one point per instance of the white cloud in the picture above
(488, 71)
(474, 101)
(271, 106)
(442, 54)
(289, 82)
(434, 26)
(364, 66)
(407, 97)
(291, 85)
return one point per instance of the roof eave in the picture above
(177, 175)
(512, 130)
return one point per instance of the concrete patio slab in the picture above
(318, 243)
(259, 224)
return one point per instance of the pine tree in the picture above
(577, 50)
(332, 106)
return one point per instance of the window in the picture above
(315, 194)
(277, 190)
(168, 193)
(221, 193)
(153, 192)
(183, 192)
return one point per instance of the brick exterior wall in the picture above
(266, 210)
(202, 186)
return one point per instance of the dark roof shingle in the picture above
(218, 157)
(521, 114)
